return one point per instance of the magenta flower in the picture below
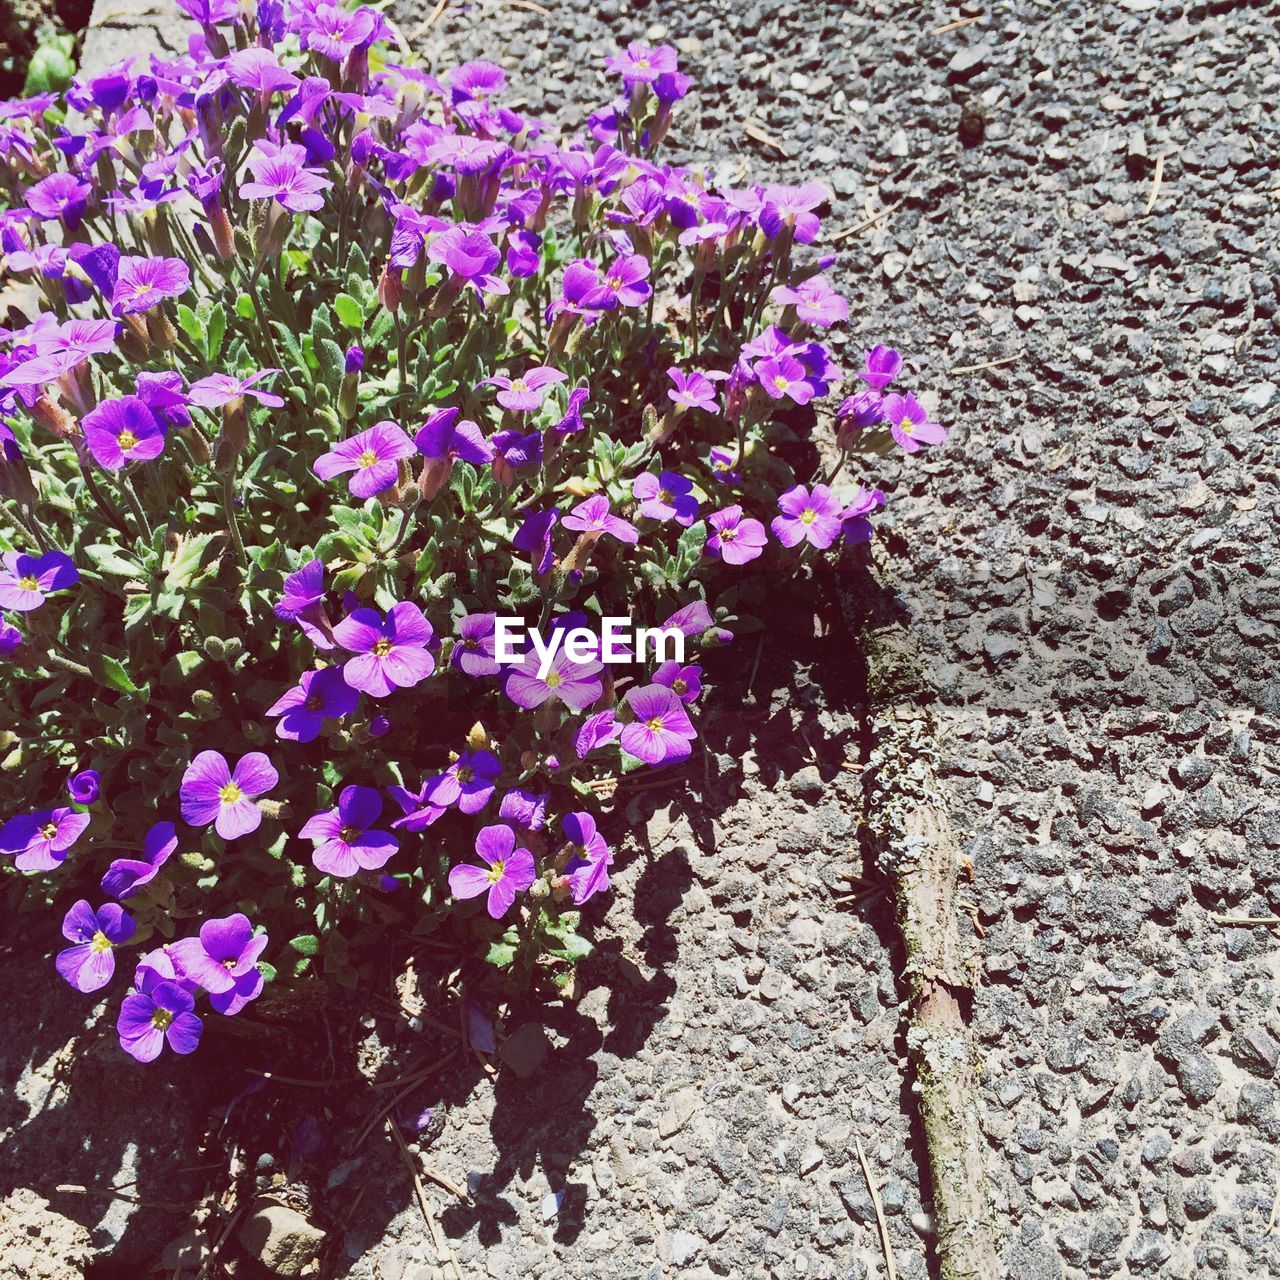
(470, 257)
(372, 454)
(123, 430)
(572, 420)
(665, 496)
(60, 195)
(596, 731)
(210, 792)
(335, 31)
(469, 782)
(26, 580)
(61, 349)
(588, 867)
(639, 64)
(508, 871)
(857, 525)
(280, 174)
(10, 639)
(864, 409)
(442, 437)
(85, 786)
(793, 207)
(418, 807)
(223, 960)
(581, 293)
(39, 841)
(125, 876)
(883, 364)
(693, 390)
(259, 70)
(303, 603)
(474, 649)
(684, 682)
(691, 619)
(594, 516)
(576, 684)
(784, 375)
(391, 652)
(348, 844)
(910, 424)
(161, 1011)
(318, 696)
(534, 536)
(89, 964)
(142, 283)
(807, 517)
(221, 388)
(724, 464)
(524, 810)
(815, 301)
(625, 283)
(525, 393)
(661, 731)
(734, 539)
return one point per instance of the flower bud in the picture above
(54, 418)
(477, 738)
(205, 705)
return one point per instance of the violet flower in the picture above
(815, 301)
(588, 867)
(665, 496)
(692, 390)
(443, 437)
(390, 653)
(123, 430)
(348, 843)
(534, 536)
(223, 960)
(280, 174)
(525, 393)
(470, 257)
(318, 696)
(26, 580)
(507, 871)
(89, 964)
(596, 731)
(734, 539)
(576, 684)
(594, 516)
(303, 603)
(418, 807)
(854, 518)
(639, 64)
(125, 876)
(684, 682)
(60, 195)
(723, 463)
(572, 420)
(221, 388)
(335, 31)
(910, 424)
(161, 1012)
(807, 517)
(625, 283)
(211, 792)
(861, 410)
(883, 364)
(526, 811)
(84, 787)
(372, 454)
(474, 649)
(784, 375)
(661, 732)
(259, 70)
(469, 782)
(142, 283)
(783, 206)
(39, 841)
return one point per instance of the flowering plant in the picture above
(337, 364)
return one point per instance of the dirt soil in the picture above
(1089, 195)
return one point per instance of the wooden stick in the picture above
(865, 223)
(956, 25)
(1155, 184)
(1270, 921)
(398, 1097)
(986, 364)
(885, 1246)
(110, 1193)
(442, 1250)
(758, 133)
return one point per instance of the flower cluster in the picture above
(338, 362)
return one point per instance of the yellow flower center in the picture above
(664, 495)
(497, 870)
(614, 282)
(49, 830)
(554, 680)
(100, 942)
(161, 1019)
(229, 963)
(654, 725)
(127, 440)
(519, 384)
(382, 648)
(231, 794)
(348, 835)
(368, 458)
(808, 515)
(679, 687)
(728, 535)
(906, 426)
(28, 583)
(465, 773)
(781, 382)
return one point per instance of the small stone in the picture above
(1198, 1077)
(1153, 798)
(1192, 772)
(1259, 395)
(1149, 1252)
(549, 1205)
(1255, 1105)
(280, 1238)
(1255, 1051)
(998, 646)
(986, 793)
(1199, 1200)
(811, 1159)
(525, 1049)
(969, 59)
(893, 265)
(1155, 1149)
(683, 1106)
(685, 1246)
(807, 782)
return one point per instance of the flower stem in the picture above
(131, 497)
(229, 510)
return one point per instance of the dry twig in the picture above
(758, 133)
(883, 1226)
(865, 223)
(986, 364)
(956, 25)
(1155, 184)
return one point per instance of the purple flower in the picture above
(125, 876)
(371, 454)
(473, 652)
(418, 807)
(588, 868)
(665, 496)
(783, 206)
(524, 810)
(864, 409)
(691, 619)
(723, 464)
(661, 730)
(572, 420)
(61, 349)
(39, 841)
(469, 782)
(807, 517)
(89, 964)
(334, 31)
(280, 174)
(470, 257)
(142, 283)
(259, 70)
(576, 684)
(639, 64)
(161, 1011)
(525, 393)
(303, 603)
(122, 431)
(693, 390)
(348, 844)
(857, 526)
(318, 696)
(581, 293)
(508, 870)
(595, 731)
(10, 639)
(477, 79)
(353, 360)
(60, 195)
(910, 424)
(210, 792)
(164, 393)
(625, 283)
(684, 682)
(883, 364)
(441, 437)
(223, 960)
(734, 539)
(523, 256)
(534, 536)
(391, 652)
(515, 450)
(784, 375)
(594, 516)
(26, 580)
(815, 301)
(85, 786)
(221, 388)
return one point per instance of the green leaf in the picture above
(51, 67)
(109, 559)
(501, 954)
(572, 947)
(305, 944)
(192, 325)
(217, 329)
(111, 672)
(244, 307)
(349, 311)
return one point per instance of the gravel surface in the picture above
(1090, 562)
